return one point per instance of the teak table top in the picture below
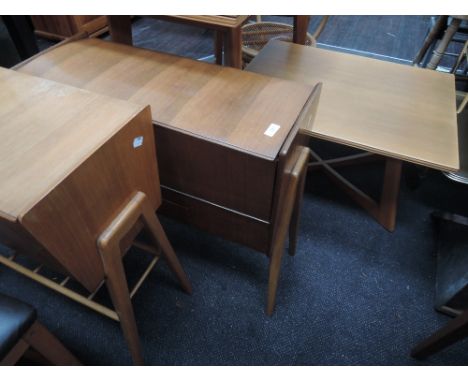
(46, 131)
(231, 107)
(391, 109)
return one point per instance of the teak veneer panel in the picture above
(68, 164)
(391, 109)
(227, 106)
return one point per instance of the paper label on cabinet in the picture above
(272, 129)
(137, 141)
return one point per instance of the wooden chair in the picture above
(20, 331)
(452, 27)
(256, 35)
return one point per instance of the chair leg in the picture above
(442, 46)
(429, 40)
(454, 331)
(44, 342)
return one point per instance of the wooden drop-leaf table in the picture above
(231, 154)
(79, 181)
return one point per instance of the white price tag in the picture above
(272, 129)
(137, 141)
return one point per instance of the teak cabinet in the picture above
(79, 180)
(231, 157)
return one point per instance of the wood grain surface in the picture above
(391, 109)
(227, 106)
(47, 130)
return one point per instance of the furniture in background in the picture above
(80, 181)
(255, 35)
(452, 262)
(461, 176)
(455, 330)
(231, 159)
(443, 30)
(22, 35)
(60, 27)
(452, 283)
(227, 32)
(398, 112)
(20, 330)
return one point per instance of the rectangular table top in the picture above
(47, 130)
(391, 109)
(228, 106)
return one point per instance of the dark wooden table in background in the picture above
(227, 32)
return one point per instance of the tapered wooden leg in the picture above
(390, 190)
(218, 47)
(454, 331)
(273, 276)
(383, 211)
(44, 342)
(158, 234)
(108, 243)
(120, 29)
(301, 24)
(233, 48)
(277, 250)
(118, 289)
(296, 214)
(286, 205)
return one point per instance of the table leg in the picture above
(233, 48)
(383, 211)
(118, 289)
(218, 47)
(288, 199)
(390, 190)
(159, 236)
(137, 209)
(301, 24)
(120, 29)
(296, 214)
